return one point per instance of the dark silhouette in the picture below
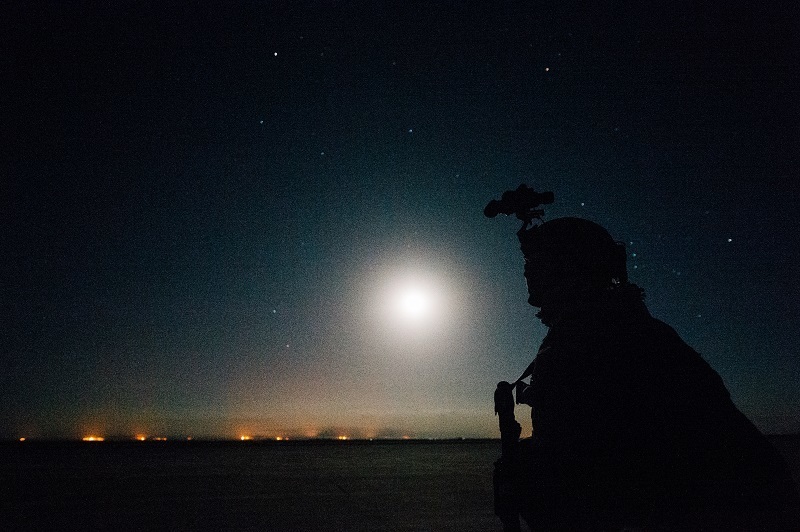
(631, 427)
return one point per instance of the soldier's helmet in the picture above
(575, 247)
(565, 258)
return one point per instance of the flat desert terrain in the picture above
(397, 486)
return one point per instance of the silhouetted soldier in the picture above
(631, 427)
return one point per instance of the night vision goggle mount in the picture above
(523, 202)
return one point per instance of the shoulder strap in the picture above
(529, 370)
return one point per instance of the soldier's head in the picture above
(569, 260)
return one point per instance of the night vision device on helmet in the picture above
(583, 248)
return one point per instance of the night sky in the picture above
(266, 218)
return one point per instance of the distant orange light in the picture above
(278, 438)
(343, 438)
(93, 438)
(141, 437)
(245, 438)
(159, 438)
(22, 439)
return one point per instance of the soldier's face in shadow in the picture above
(539, 279)
(550, 280)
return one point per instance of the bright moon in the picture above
(414, 303)
(410, 308)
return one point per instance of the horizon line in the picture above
(273, 440)
(240, 439)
